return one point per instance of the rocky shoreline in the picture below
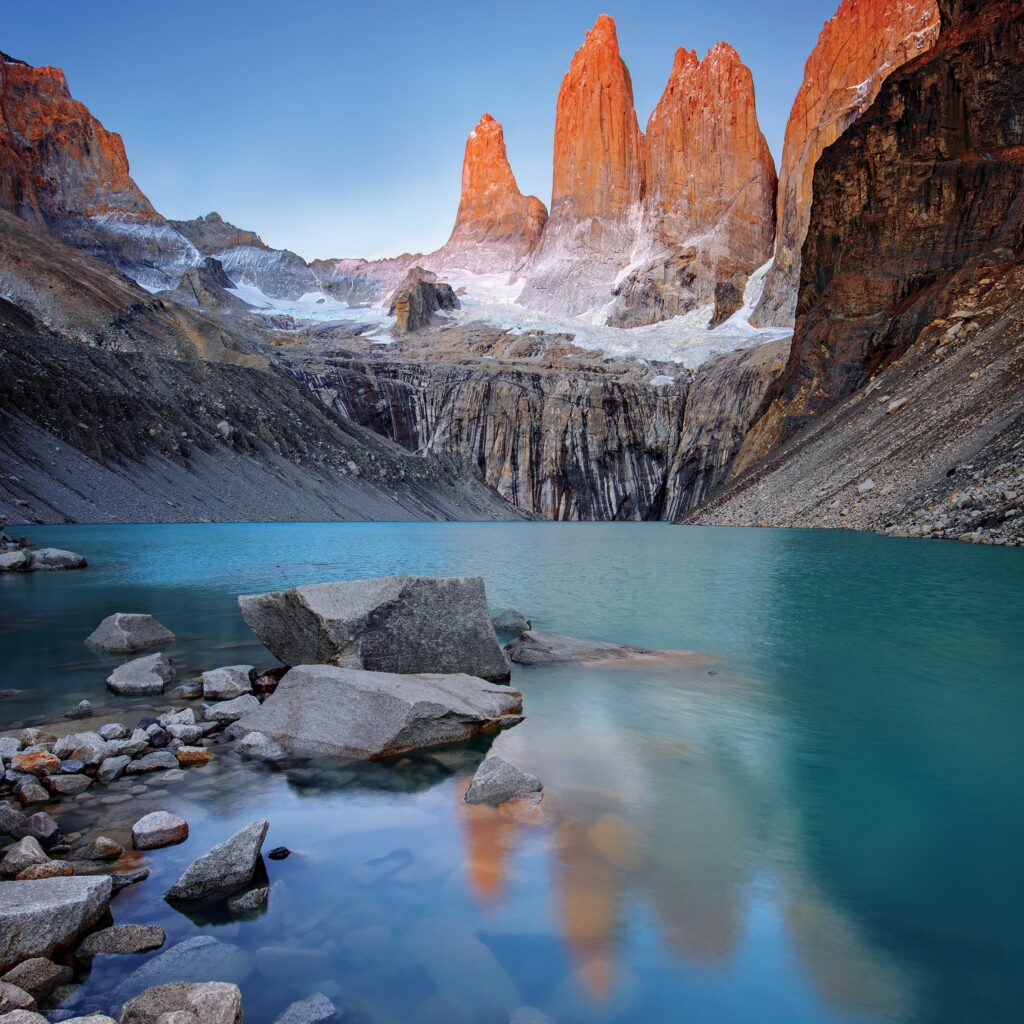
(115, 781)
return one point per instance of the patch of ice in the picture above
(661, 381)
(312, 306)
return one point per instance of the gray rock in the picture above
(91, 1018)
(510, 621)
(186, 733)
(142, 676)
(152, 762)
(68, 785)
(185, 1003)
(127, 878)
(534, 648)
(9, 746)
(44, 828)
(83, 709)
(497, 780)
(124, 632)
(88, 747)
(72, 766)
(23, 853)
(402, 624)
(112, 731)
(199, 959)
(227, 711)
(14, 561)
(229, 682)
(112, 768)
(191, 690)
(12, 822)
(182, 716)
(37, 976)
(227, 867)
(37, 918)
(260, 747)
(249, 902)
(316, 1009)
(136, 743)
(28, 791)
(22, 1017)
(120, 939)
(104, 848)
(347, 713)
(13, 997)
(157, 829)
(56, 559)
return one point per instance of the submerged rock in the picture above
(39, 917)
(260, 747)
(56, 559)
(227, 711)
(125, 632)
(534, 648)
(142, 676)
(229, 866)
(120, 940)
(315, 1009)
(347, 713)
(214, 1002)
(403, 624)
(497, 780)
(510, 621)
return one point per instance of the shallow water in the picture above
(819, 820)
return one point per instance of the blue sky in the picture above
(337, 128)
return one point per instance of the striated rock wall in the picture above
(597, 183)
(496, 226)
(709, 205)
(901, 406)
(865, 41)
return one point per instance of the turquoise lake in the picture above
(815, 817)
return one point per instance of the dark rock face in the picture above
(924, 187)
(206, 287)
(728, 299)
(212, 234)
(418, 298)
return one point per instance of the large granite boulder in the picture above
(42, 916)
(141, 677)
(497, 780)
(56, 559)
(417, 299)
(228, 682)
(404, 624)
(214, 1002)
(120, 940)
(356, 715)
(534, 648)
(225, 869)
(124, 632)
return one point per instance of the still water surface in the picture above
(821, 819)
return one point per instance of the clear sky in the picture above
(336, 128)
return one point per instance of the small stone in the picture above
(112, 768)
(120, 940)
(497, 780)
(126, 878)
(72, 766)
(104, 848)
(51, 869)
(260, 747)
(279, 853)
(68, 785)
(160, 828)
(23, 853)
(45, 829)
(152, 762)
(190, 757)
(230, 710)
(38, 763)
(83, 709)
(28, 791)
(192, 690)
(37, 976)
(511, 621)
(896, 405)
(865, 485)
(12, 997)
(124, 632)
(249, 902)
(112, 731)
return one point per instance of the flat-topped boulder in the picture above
(357, 715)
(143, 676)
(41, 916)
(399, 624)
(228, 682)
(214, 1002)
(125, 632)
(56, 559)
(534, 648)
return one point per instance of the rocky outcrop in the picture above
(224, 869)
(417, 299)
(207, 287)
(865, 41)
(323, 710)
(64, 170)
(535, 648)
(212, 234)
(496, 225)
(404, 624)
(498, 780)
(279, 273)
(900, 406)
(597, 183)
(708, 208)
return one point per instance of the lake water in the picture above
(818, 819)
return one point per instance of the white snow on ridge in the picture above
(313, 306)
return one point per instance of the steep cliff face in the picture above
(597, 183)
(213, 234)
(62, 168)
(865, 41)
(708, 209)
(901, 401)
(496, 225)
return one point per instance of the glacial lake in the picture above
(817, 818)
